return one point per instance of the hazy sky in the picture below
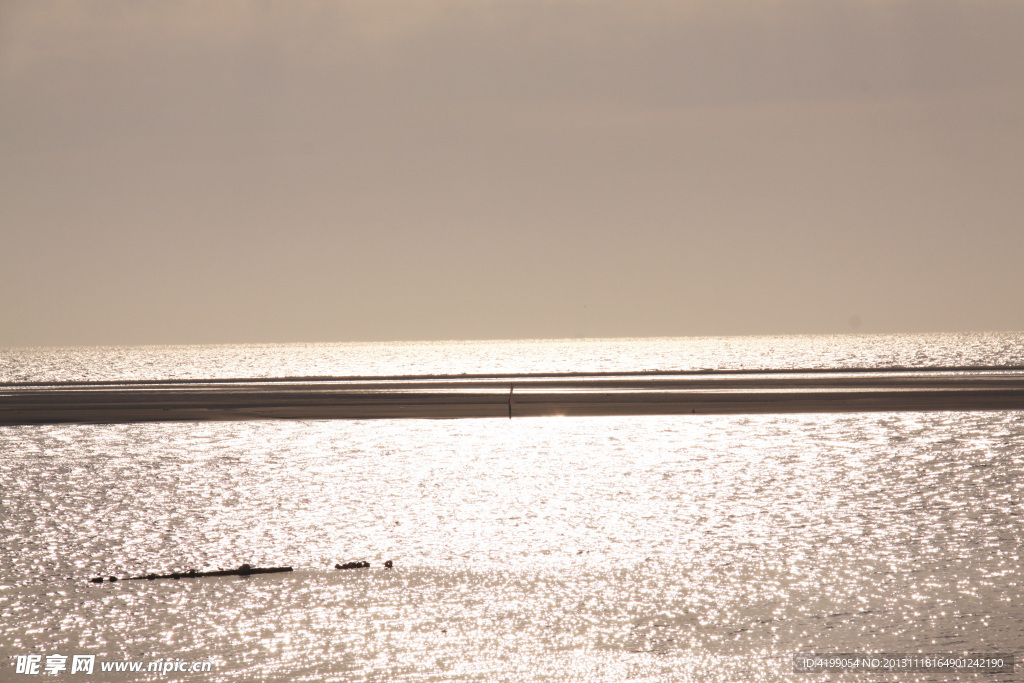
(196, 172)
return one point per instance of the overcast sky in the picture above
(195, 172)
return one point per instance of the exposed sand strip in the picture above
(535, 395)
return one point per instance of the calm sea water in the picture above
(507, 357)
(705, 548)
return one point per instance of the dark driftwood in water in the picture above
(352, 565)
(244, 570)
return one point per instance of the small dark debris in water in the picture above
(98, 579)
(113, 579)
(389, 564)
(352, 565)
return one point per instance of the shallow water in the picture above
(540, 549)
(510, 357)
(707, 548)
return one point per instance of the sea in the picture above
(638, 548)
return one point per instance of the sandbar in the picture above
(524, 395)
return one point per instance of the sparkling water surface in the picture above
(509, 357)
(705, 548)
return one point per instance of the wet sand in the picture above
(695, 393)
